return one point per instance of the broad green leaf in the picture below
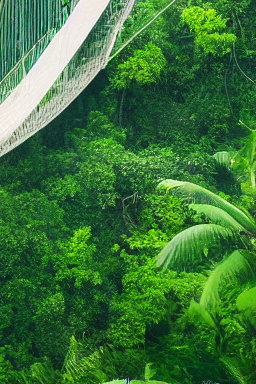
(193, 193)
(236, 268)
(197, 313)
(247, 300)
(217, 216)
(189, 246)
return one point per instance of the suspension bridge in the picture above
(50, 50)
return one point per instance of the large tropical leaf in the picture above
(236, 268)
(198, 314)
(189, 246)
(193, 193)
(247, 299)
(246, 302)
(217, 216)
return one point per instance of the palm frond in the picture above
(236, 268)
(244, 161)
(224, 158)
(248, 149)
(217, 216)
(190, 245)
(198, 314)
(192, 193)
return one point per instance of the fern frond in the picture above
(70, 365)
(149, 372)
(44, 372)
(236, 268)
(192, 193)
(190, 245)
(234, 368)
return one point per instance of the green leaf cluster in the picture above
(206, 24)
(145, 67)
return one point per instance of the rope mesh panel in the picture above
(34, 29)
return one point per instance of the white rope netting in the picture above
(46, 63)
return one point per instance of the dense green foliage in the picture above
(83, 299)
